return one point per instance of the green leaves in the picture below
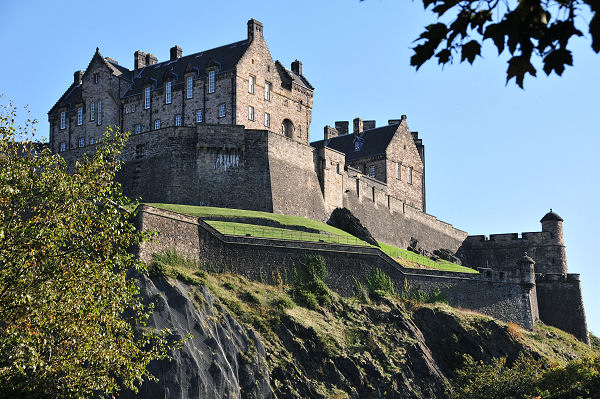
(529, 31)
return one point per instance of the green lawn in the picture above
(327, 233)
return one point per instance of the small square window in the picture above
(63, 147)
(267, 119)
(138, 129)
(199, 116)
(178, 120)
(251, 112)
(81, 142)
(79, 116)
(157, 124)
(221, 110)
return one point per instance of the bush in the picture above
(282, 302)
(308, 286)
(379, 284)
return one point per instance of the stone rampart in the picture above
(256, 258)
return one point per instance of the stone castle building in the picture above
(229, 127)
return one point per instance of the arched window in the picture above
(288, 128)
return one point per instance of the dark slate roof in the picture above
(551, 216)
(224, 57)
(371, 142)
(69, 99)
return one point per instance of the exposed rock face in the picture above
(221, 360)
(343, 219)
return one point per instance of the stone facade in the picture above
(208, 150)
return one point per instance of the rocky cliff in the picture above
(249, 340)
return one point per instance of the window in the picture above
(251, 84)
(92, 140)
(267, 91)
(138, 129)
(63, 147)
(410, 177)
(211, 82)
(267, 119)
(398, 169)
(178, 120)
(190, 86)
(79, 116)
(63, 120)
(139, 151)
(251, 112)
(132, 107)
(199, 116)
(372, 171)
(99, 112)
(127, 109)
(168, 93)
(95, 78)
(146, 98)
(221, 110)
(81, 142)
(92, 111)
(157, 124)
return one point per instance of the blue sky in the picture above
(498, 157)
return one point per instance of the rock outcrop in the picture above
(343, 219)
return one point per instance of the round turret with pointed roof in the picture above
(551, 216)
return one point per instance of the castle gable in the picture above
(365, 144)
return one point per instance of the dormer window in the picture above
(211, 82)
(147, 98)
(93, 111)
(190, 87)
(63, 119)
(79, 115)
(267, 91)
(99, 112)
(168, 93)
(251, 84)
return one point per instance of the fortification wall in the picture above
(503, 298)
(561, 304)
(501, 251)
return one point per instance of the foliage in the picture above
(379, 284)
(527, 378)
(530, 30)
(308, 286)
(68, 312)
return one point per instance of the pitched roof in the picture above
(293, 77)
(224, 57)
(69, 98)
(369, 143)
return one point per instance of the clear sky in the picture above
(498, 157)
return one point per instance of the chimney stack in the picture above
(369, 125)
(358, 125)
(151, 59)
(329, 132)
(175, 52)
(139, 59)
(255, 29)
(297, 67)
(77, 76)
(342, 127)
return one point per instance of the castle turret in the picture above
(552, 223)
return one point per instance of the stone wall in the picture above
(503, 298)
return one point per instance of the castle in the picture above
(229, 127)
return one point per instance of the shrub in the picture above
(282, 302)
(360, 292)
(379, 284)
(308, 286)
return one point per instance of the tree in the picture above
(528, 29)
(70, 319)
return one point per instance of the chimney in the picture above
(77, 76)
(151, 59)
(255, 29)
(394, 121)
(329, 132)
(175, 52)
(368, 125)
(358, 125)
(139, 59)
(297, 67)
(341, 127)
